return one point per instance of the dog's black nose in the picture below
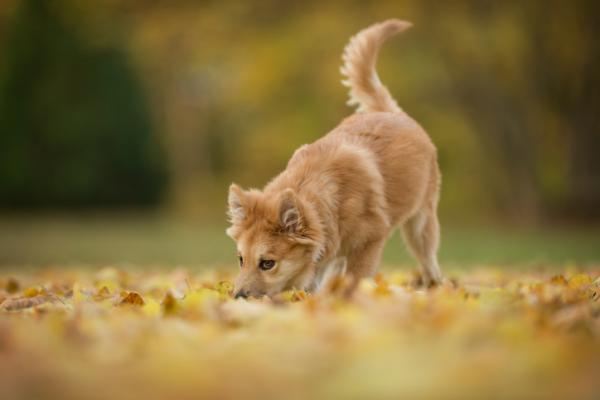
(241, 294)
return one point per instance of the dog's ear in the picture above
(290, 217)
(236, 199)
(294, 223)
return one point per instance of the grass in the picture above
(98, 240)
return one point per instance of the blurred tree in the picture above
(565, 69)
(234, 87)
(75, 127)
(529, 84)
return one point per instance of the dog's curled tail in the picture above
(360, 57)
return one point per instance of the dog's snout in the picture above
(241, 294)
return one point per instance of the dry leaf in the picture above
(559, 280)
(579, 280)
(34, 291)
(104, 292)
(133, 298)
(24, 302)
(225, 288)
(497, 326)
(12, 285)
(169, 304)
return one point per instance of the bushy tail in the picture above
(360, 56)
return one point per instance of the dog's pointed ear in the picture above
(236, 199)
(290, 216)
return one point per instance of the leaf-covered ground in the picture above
(113, 334)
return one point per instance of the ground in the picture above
(177, 333)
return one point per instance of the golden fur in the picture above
(332, 209)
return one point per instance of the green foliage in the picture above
(508, 96)
(75, 127)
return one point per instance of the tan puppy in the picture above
(334, 206)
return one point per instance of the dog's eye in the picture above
(241, 260)
(266, 265)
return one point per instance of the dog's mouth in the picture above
(244, 294)
(272, 295)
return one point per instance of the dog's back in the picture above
(405, 155)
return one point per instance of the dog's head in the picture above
(278, 241)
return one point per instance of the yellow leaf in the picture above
(291, 296)
(32, 291)
(224, 288)
(286, 296)
(579, 280)
(151, 308)
(169, 304)
(198, 297)
(78, 296)
(102, 294)
(104, 291)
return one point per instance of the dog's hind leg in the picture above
(422, 232)
(422, 236)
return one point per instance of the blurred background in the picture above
(122, 123)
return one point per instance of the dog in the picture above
(330, 212)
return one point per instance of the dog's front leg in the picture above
(328, 273)
(363, 261)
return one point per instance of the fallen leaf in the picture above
(102, 294)
(225, 288)
(133, 298)
(33, 291)
(559, 280)
(12, 285)
(579, 280)
(169, 304)
(497, 326)
(151, 308)
(24, 302)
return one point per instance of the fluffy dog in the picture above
(332, 209)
